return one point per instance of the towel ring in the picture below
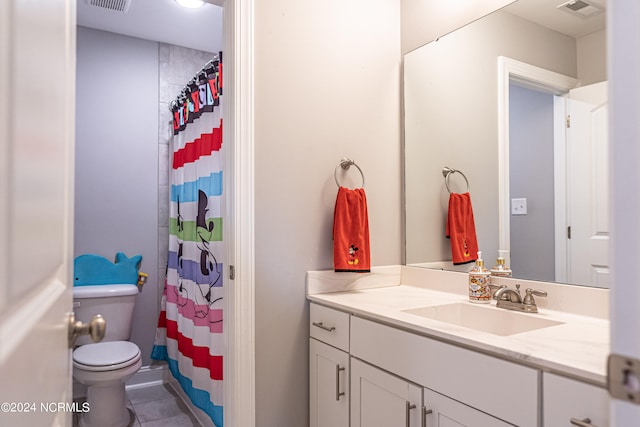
(447, 172)
(345, 163)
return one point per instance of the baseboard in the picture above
(148, 376)
(201, 416)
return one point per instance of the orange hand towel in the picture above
(351, 232)
(461, 229)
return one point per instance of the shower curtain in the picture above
(189, 335)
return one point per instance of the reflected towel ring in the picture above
(345, 164)
(446, 172)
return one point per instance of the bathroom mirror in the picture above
(460, 113)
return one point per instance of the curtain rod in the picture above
(206, 69)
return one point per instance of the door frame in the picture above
(239, 366)
(540, 79)
(239, 322)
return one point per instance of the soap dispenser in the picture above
(479, 281)
(501, 269)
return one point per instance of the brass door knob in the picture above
(96, 328)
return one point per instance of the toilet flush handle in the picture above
(96, 328)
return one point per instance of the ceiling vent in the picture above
(115, 5)
(581, 8)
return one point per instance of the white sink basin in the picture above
(497, 321)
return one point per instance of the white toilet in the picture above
(105, 366)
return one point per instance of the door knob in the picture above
(96, 328)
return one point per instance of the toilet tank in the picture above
(114, 302)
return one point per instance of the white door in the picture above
(588, 186)
(329, 385)
(379, 399)
(37, 79)
(623, 37)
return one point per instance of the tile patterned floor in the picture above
(157, 406)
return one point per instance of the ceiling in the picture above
(159, 20)
(546, 13)
(167, 22)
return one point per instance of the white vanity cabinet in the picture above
(505, 390)
(379, 399)
(365, 373)
(565, 399)
(328, 367)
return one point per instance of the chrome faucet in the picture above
(508, 294)
(512, 300)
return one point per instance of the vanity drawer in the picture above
(329, 326)
(564, 399)
(500, 388)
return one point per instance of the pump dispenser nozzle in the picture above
(501, 269)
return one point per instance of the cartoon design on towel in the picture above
(352, 255)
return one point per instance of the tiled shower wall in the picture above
(178, 65)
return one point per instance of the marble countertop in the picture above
(577, 348)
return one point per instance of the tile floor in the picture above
(157, 406)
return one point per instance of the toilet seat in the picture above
(108, 356)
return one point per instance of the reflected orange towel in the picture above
(461, 229)
(351, 232)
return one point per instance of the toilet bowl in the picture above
(104, 367)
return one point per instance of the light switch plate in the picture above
(519, 206)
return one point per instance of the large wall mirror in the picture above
(492, 100)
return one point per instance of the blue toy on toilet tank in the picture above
(92, 269)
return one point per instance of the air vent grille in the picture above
(117, 5)
(581, 8)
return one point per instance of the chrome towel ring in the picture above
(447, 172)
(345, 163)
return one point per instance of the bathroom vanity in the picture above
(404, 347)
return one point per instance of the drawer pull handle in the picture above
(338, 393)
(409, 407)
(425, 412)
(582, 423)
(326, 328)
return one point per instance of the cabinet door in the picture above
(441, 411)
(329, 385)
(379, 399)
(564, 399)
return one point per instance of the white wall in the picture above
(592, 58)
(327, 86)
(117, 160)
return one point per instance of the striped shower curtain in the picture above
(189, 335)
